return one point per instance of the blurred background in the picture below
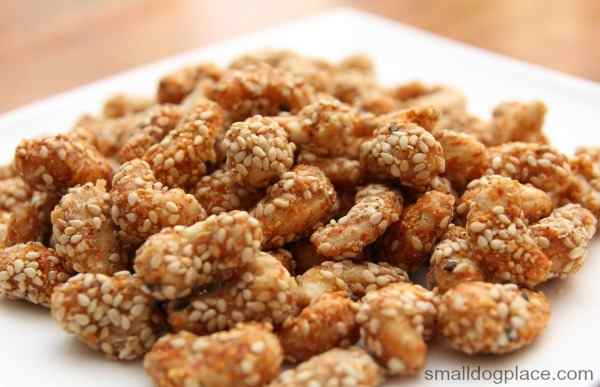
(51, 46)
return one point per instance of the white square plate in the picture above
(36, 352)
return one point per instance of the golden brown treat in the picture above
(341, 171)
(4, 219)
(336, 367)
(181, 156)
(59, 162)
(13, 192)
(294, 206)
(452, 261)
(480, 317)
(176, 260)
(443, 98)
(30, 221)
(84, 233)
(29, 271)
(404, 152)
(407, 243)
(120, 105)
(501, 238)
(377, 206)
(355, 278)
(7, 171)
(423, 116)
(540, 165)
(142, 206)
(175, 86)
(219, 192)
(516, 121)
(248, 355)
(286, 259)
(257, 151)
(265, 291)
(564, 237)
(107, 135)
(329, 321)
(394, 323)
(466, 158)
(585, 181)
(260, 89)
(109, 314)
(157, 122)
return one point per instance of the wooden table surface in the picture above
(51, 46)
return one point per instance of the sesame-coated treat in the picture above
(326, 127)
(466, 157)
(13, 192)
(484, 318)
(535, 203)
(329, 321)
(248, 355)
(516, 121)
(181, 156)
(158, 121)
(500, 236)
(260, 89)
(120, 105)
(409, 242)
(175, 86)
(219, 192)
(293, 207)
(540, 165)
(29, 271)
(341, 171)
(445, 99)
(452, 261)
(84, 233)
(258, 151)
(377, 206)
(107, 135)
(142, 206)
(30, 221)
(7, 171)
(305, 255)
(356, 278)
(564, 237)
(585, 181)
(4, 219)
(265, 291)
(336, 367)
(404, 152)
(286, 259)
(423, 116)
(176, 260)
(59, 162)
(110, 314)
(395, 322)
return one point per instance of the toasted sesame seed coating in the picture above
(29, 271)
(175, 86)
(516, 121)
(107, 135)
(540, 165)
(423, 116)
(355, 278)
(260, 89)
(265, 291)
(158, 121)
(329, 321)
(564, 237)
(141, 206)
(294, 206)
(500, 236)
(59, 162)
(466, 158)
(452, 261)
(30, 221)
(13, 192)
(585, 181)
(219, 192)
(180, 158)
(480, 317)
(247, 355)
(109, 314)
(404, 152)
(394, 323)
(377, 206)
(258, 151)
(341, 171)
(409, 242)
(120, 105)
(84, 233)
(7, 171)
(176, 260)
(336, 367)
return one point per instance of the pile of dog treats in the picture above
(274, 212)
